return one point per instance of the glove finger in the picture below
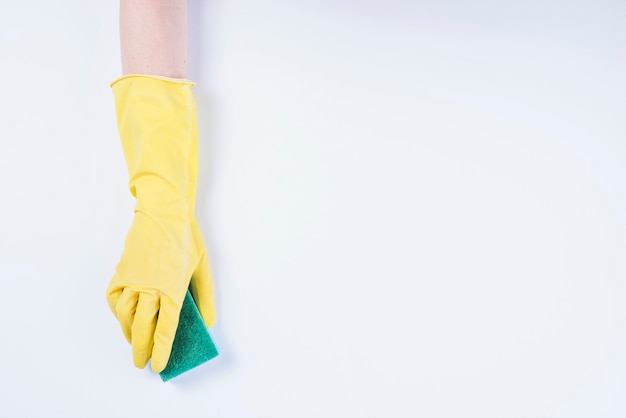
(143, 328)
(164, 333)
(201, 288)
(112, 298)
(125, 311)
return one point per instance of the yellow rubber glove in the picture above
(164, 253)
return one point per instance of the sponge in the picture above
(192, 344)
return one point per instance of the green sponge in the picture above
(192, 344)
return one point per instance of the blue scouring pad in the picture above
(192, 344)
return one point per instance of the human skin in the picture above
(153, 37)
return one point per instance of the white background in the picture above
(413, 208)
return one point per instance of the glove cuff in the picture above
(156, 119)
(154, 76)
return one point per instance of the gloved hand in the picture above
(164, 253)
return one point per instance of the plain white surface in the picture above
(412, 209)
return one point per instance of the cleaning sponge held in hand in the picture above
(192, 344)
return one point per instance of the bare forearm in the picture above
(153, 37)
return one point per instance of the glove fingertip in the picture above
(201, 288)
(140, 362)
(164, 335)
(207, 312)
